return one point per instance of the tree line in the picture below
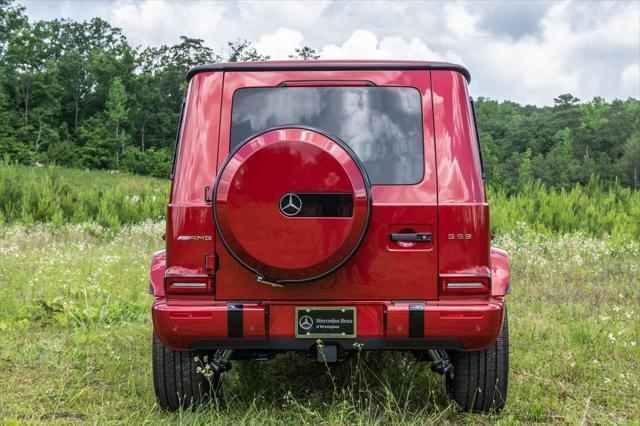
(562, 145)
(78, 94)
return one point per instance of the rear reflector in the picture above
(189, 285)
(466, 285)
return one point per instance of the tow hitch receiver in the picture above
(326, 353)
(440, 362)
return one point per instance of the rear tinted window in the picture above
(382, 125)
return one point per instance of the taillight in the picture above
(189, 284)
(465, 285)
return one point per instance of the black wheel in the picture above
(479, 382)
(178, 379)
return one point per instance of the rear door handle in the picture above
(424, 237)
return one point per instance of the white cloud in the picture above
(279, 44)
(572, 52)
(630, 79)
(144, 21)
(460, 21)
(525, 51)
(364, 44)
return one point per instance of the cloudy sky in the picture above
(524, 51)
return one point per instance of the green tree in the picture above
(493, 172)
(9, 146)
(96, 144)
(560, 166)
(25, 55)
(77, 93)
(12, 22)
(160, 86)
(305, 53)
(243, 51)
(565, 113)
(592, 119)
(117, 112)
(525, 172)
(630, 162)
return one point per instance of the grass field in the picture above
(59, 196)
(76, 336)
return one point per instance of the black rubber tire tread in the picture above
(480, 379)
(176, 382)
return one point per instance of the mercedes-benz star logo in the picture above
(306, 322)
(290, 204)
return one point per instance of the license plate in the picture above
(326, 322)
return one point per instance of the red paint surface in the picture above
(450, 200)
(374, 271)
(156, 275)
(249, 192)
(474, 323)
(462, 206)
(500, 272)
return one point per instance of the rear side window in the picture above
(475, 127)
(382, 125)
(175, 149)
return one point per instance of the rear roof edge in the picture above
(316, 65)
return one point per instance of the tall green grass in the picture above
(593, 209)
(78, 316)
(56, 195)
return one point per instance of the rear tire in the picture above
(479, 382)
(176, 380)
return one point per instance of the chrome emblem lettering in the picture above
(459, 236)
(195, 238)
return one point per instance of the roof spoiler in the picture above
(323, 66)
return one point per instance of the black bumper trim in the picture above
(291, 344)
(416, 321)
(234, 320)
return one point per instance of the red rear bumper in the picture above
(468, 325)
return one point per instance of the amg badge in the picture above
(195, 238)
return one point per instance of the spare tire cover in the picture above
(292, 204)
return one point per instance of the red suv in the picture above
(329, 208)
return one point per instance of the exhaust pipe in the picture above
(440, 362)
(222, 360)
